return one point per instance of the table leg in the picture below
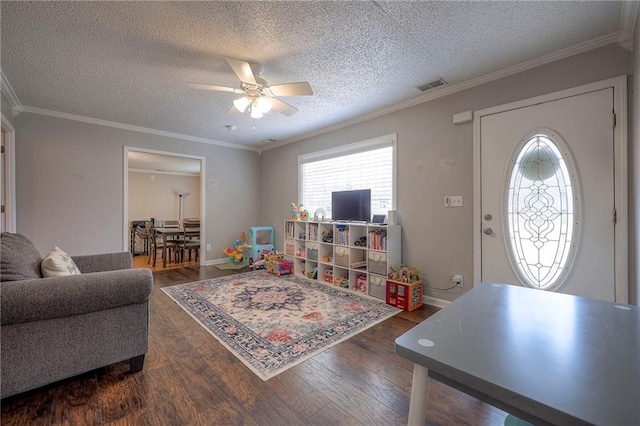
(164, 250)
(419, 394)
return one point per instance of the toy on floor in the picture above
(236, 254)
(261, 240)
(260, 263)
(283, 267)
(278, 265)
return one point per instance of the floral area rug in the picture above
(271, 323)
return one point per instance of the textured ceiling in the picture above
(129, 62)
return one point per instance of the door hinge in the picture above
(1, 209)
(1, 149)
(613, 117)
(615, 216)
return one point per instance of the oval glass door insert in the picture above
(542, 211)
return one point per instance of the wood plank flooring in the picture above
(191, 379)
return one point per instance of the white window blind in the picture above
(365, 165)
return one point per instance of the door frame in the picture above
(9, 170)
(621, 182)
(125, 200)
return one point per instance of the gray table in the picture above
(545, 357)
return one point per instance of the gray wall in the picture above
(634, 187)
(69, 184)
(435, 158)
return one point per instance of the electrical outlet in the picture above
(458, 280)
(208, 247)
(453, 201)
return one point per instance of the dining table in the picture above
(545, 357)
(173, 232)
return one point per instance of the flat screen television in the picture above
(351, 205)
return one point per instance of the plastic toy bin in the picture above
(261, 239)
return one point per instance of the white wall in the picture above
(435, 158)
(5, 108)
(70, 184)
(156, 195)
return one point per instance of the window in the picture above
(363, 165)
(542, 211)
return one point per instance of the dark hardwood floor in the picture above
(191, 379)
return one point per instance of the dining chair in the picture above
(190, 240)
(155, 244)
(142, 234)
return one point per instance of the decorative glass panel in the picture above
(541, 217)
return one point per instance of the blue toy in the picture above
(261, 241)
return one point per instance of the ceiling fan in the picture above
(259, 98)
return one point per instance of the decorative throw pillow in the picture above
(19, 258)
(58, 264)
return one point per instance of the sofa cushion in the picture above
(58, 264)
(19, 258)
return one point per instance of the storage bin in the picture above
(377, 263)
(312, 254)
(341, 257)
(289, 248)
(377, 287)
(312, 251)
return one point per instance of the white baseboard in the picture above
(434, 301)
(213, 262)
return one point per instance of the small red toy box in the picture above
(407, 296)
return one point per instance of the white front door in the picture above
(548, 195)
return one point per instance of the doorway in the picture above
(551, 193)
(164, 186)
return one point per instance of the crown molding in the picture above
(8, 93)
(628, 16)
(449, 90)
(130, 127)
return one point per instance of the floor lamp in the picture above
(184, 194)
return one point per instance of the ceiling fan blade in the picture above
(242, 70)
(292, 89)
(282, 107)
(211, 87)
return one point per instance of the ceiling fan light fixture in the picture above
(242, 103)
(256, 113)
(263, 104)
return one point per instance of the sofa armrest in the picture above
(58, 297)
(104, 262)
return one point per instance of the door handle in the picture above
(488, 231)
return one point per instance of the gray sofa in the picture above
(58, 327)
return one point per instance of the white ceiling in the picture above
(129, 62)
